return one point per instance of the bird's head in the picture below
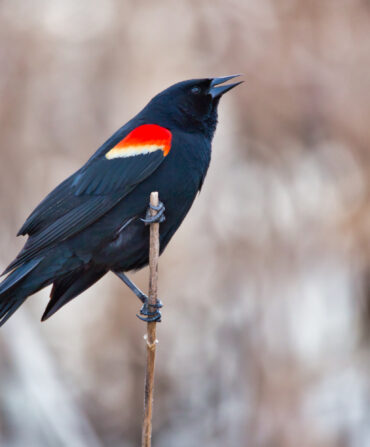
(191, 104)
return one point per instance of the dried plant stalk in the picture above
(151, 339)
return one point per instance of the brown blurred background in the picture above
(265, 340)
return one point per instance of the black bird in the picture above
(96, 221)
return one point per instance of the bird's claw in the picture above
(154, 317)
(158, 218)
(148, 315)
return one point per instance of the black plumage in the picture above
(92, 222)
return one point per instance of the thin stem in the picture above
(151, 339)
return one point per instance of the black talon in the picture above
(150, 316)
(158, 304)
(156, 318)
(157, 207)
(145, 308)
(158, 218)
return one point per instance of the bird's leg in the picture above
(149, 316)
(141, 295)
(159, 217)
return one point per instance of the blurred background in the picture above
(265, 339)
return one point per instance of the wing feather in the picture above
(54, 205)
(102, 176)
(82, 199)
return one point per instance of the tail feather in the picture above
(10, 298)
(68, 287)
(69, 281)
(17, 275)
(10, 308)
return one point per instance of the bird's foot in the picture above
(158, 218)
(148, 315)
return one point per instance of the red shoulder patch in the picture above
(142, 140)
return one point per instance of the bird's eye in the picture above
(195, 90)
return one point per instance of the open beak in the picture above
(216, 92)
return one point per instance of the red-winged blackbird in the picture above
(94, 221)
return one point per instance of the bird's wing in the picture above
(94, 190)
(55, 204)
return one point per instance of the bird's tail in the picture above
(69, 281)
(16, 287)
(69, 286)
